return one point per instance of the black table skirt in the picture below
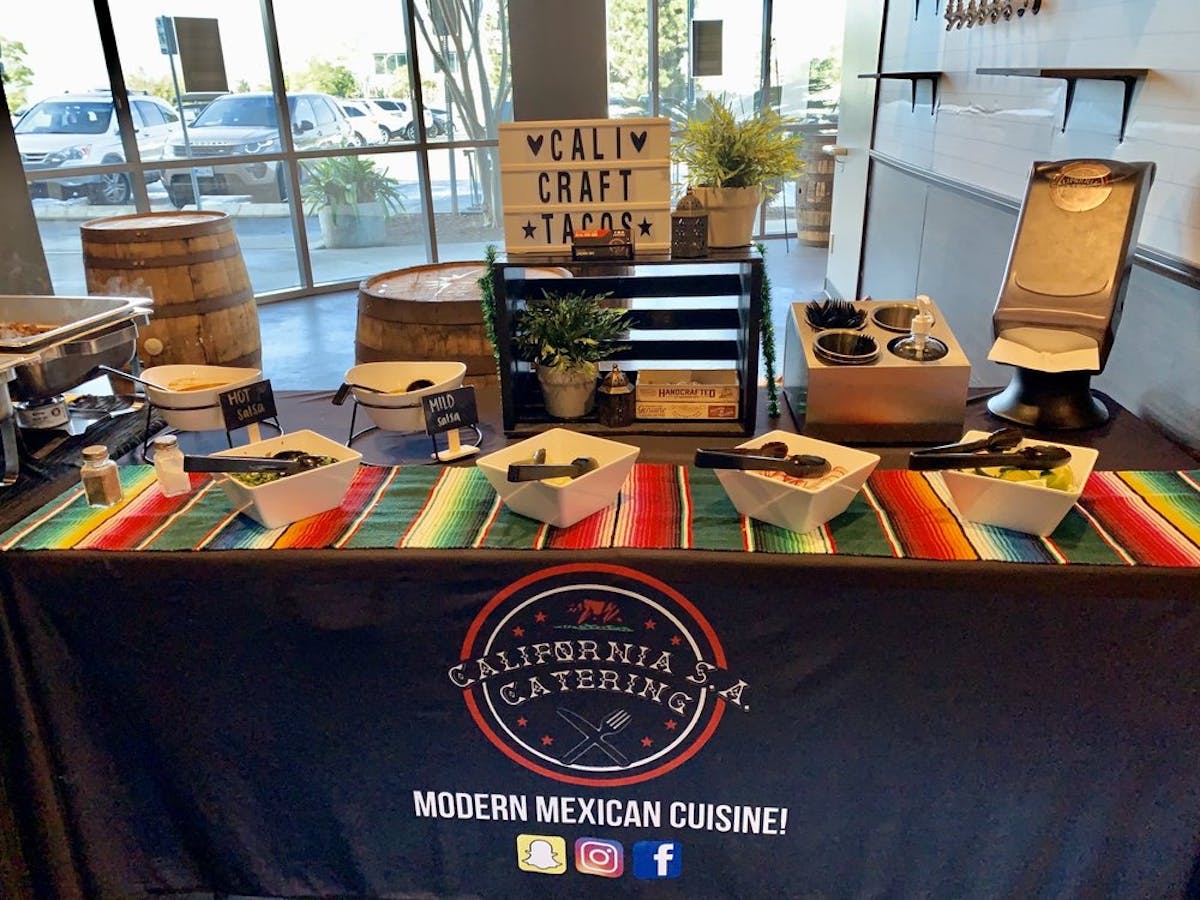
(295, 724)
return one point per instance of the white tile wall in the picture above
(988, 130)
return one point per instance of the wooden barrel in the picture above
(432, 312)
(814, 190)
(190, 263)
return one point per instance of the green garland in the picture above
(767, 325)
(487, 299)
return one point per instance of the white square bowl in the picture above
(398, 409)
(799, 505)
(294, 497)
(195, 409)
(556, 502)
(1020, 506)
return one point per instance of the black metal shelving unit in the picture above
(687, 313)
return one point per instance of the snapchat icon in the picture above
(542, 853)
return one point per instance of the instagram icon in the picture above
(597, 856)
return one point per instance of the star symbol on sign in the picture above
(518, 631)
(646, 742)
(650, 625)
(676, 641)
(670, 725)
(522, 722)
(644, 226)
(547, 740)
(529, 228)
(540, 617)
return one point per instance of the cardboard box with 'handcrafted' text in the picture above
(687, 394)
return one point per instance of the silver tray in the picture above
(70, 316)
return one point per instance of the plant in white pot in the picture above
(731, 163)
(352, 198)
(565, 336)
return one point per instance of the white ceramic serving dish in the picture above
(806, 505)
(194, 410)
(400, 410)
(294, 497)
(558, 502)
(1018, 505)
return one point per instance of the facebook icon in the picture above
(657, 859)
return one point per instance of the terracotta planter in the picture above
(569, 393)
(731, 214)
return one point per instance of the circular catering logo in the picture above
(1081, 186)
(595, 674)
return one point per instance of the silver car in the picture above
(74, 130)
(246, 125)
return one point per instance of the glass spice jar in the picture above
(168, 466)
(101, 481)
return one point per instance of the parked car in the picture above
(81, 129)
(401, 110)
(245, 125)
(441, 122)
(395, 121)
(368, 127)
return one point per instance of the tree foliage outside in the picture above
(326, 77)
(628, 40)
(160, 86)
(18, 76)
(472, 56)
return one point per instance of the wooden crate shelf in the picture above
(687, 314)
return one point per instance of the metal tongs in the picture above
(1035, 456)
(536, 469)
(244, 464)
(798, 465)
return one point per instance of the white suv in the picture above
(82, 130)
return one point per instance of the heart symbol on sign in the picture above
(535, 143)
(639, 140)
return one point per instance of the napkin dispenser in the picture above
(1064, 288)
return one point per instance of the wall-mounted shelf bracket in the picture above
(912, 78)
(1128, 77)
(917, 8)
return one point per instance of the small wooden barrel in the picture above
(432, 312)
(814, 190)
(190, 263)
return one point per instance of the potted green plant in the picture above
(565, 336)
(352, 198)
(731, 162)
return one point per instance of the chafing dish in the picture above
(74, 335)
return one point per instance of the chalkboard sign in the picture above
(450, 410)
(247, 405)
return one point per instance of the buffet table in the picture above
(426, 697)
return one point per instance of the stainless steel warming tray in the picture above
(66, 316)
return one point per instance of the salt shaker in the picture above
(101, 482)
(168, 466)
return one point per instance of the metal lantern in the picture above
(614, 399)
(689, 228)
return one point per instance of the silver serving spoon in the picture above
(111, 371)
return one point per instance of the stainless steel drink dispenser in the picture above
(1064, 288)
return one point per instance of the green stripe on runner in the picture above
(857, 531)
(1079, 542)
(716, 524)
(401, 503)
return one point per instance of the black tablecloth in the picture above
(419, 723)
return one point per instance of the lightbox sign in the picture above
(584, 174)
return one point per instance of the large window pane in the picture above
(628, 59)
(463, 228)
(363, 215)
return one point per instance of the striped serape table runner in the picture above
(1124, 518)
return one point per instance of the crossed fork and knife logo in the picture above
(597, 736)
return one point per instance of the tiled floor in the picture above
(309, 343)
